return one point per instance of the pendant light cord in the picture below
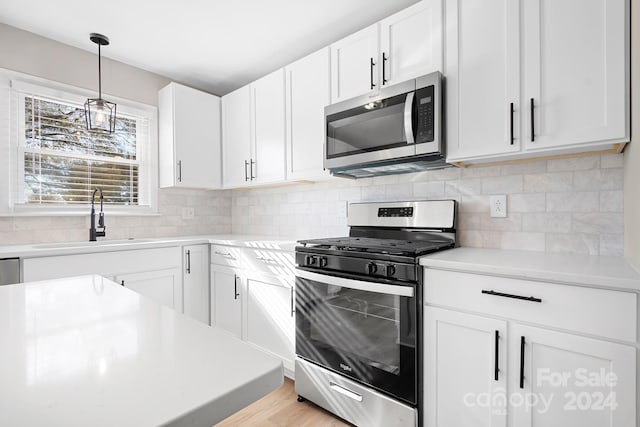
(99, 74)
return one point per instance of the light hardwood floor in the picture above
(282, 409)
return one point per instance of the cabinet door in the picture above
(236, 137)
(411, 42)
(162, 286)
(195, 282)
(570, 380)
(465, 375)
(197, 138)
(189, 138)
(482, 69)
(270, 321)
(226, 300)
(351, 71)
(575, 71)
(269, 128)
(308, 92)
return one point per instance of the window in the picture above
(57, 164)
(64, 163)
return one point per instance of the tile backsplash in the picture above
(562, 205)
(212, 215)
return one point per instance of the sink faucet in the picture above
(93, 233)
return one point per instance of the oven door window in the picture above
(375, 126)
(364, 335)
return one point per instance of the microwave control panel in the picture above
(425, 111)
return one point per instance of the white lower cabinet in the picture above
(465, 361)
(195, 282)
(162, 286)
(270, 318)
(505, 365)
(252, 296)
(226, 300)
(569, 380)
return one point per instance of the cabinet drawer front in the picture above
(229, 256)
(258, 260)
(102, 263)
(600, 312)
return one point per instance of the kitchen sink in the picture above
(100, 243)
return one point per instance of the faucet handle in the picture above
(101, 220)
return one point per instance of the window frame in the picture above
(17, 86)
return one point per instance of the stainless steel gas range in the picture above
(359, 311)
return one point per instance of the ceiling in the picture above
(213, 45)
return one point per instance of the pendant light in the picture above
(100, 114)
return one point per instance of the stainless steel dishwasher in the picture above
(9, 271)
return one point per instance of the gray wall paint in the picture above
(32, 54)
(632, 154)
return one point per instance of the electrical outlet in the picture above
(498, 205)
(188, 213)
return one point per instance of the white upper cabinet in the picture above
(575, 72)
(411, 42)
(482, 73)
(236, 137)
(268, 126)
(254, 133)
(353, 64)
(189, 138)
(308, 92)
(565, 72)
(403, 46)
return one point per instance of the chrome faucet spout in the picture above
(93, 232)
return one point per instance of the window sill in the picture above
(25, 211)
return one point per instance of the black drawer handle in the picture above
(496, 368)
(522, 343)
(500, 294)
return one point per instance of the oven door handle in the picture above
(380, 288)
(408, 118)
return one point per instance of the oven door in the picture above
(362, 330)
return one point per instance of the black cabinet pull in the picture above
(122, 283)
(179, 170)
(246, 175)
(292, 307)
(235, 287)
(188, 262)
(500, 294)
(496, 368)
(384, 74)
(371, 65)
(521, 362)
(533, 132)
(511, 122)
(251, 163)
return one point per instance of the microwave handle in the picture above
(408, 118)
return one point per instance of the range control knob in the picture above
(372, 268)
(391, 270)
(310, 260)
(323, 261)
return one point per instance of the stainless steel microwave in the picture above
(397, 130)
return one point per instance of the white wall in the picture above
(568, 205)
(31, 54)
(632, 153)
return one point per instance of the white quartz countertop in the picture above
(84, 351)
(69, 248)
(584, 270)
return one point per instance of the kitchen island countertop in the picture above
(85, 351)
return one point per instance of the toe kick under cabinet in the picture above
(252, 297)
(511, 352)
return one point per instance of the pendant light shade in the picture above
(100, 114)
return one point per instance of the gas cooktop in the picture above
(378, 245)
